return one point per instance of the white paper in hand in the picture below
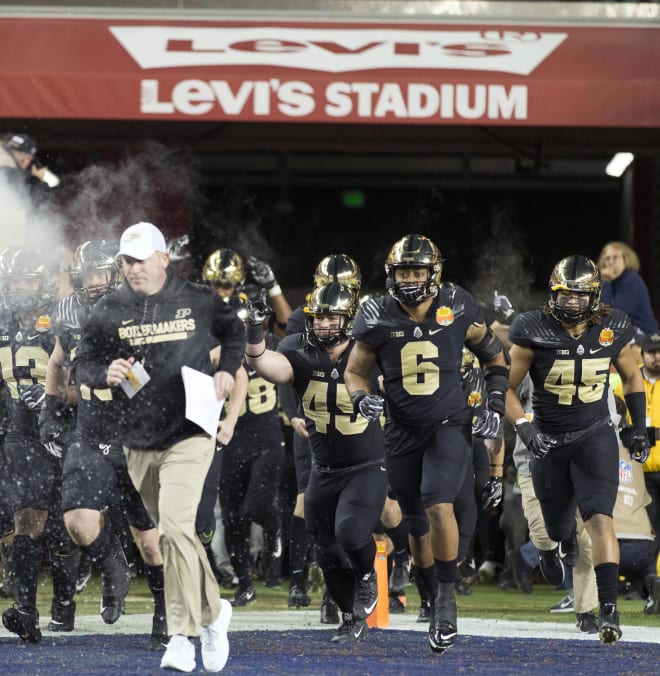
(202, 406)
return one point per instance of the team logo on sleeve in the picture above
(43, 323)
(606, 337)
(444, 316)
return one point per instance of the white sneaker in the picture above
(215, 645)
(180, 654)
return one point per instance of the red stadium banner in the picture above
(426, 73)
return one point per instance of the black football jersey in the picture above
(261, 404)
(570, 375)
(420, 362)
(98, 413)
(339, 437)
(24, 353)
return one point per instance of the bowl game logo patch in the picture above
(606, 337)
(444, 316)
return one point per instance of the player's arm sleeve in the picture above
(229, 330)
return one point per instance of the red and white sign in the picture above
(330, 72)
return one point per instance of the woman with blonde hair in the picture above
(624, 288)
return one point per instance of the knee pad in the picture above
(349, 534)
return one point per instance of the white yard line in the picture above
(291, 620)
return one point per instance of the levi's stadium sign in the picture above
(330, 72)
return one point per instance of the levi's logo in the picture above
(337, 49)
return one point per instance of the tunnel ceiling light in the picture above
(618, 164)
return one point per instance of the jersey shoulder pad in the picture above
(534, 328)
(617, 320)
(66, 315)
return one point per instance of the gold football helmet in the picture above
(224, 267)
(413, 251)
(95, 256)
(28, 278)
(330, 299)
(338, 268)
(578, 274)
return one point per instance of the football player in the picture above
(347, 483)
(332, 268)
(32, 471)
(568, 347)
(416, 335)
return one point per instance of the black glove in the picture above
(54, 449)
(637, 443)
(259, 310)
(538, 443)
(487, 425)
(502, 305)
(491, 493)
(640, 448)
(33, 397)
(53, 422)
(369, 406)
(261, 272)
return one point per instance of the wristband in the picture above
(520, 421)
(255, 334)
(256, 356)
(275, 290)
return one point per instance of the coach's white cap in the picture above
(141, 240)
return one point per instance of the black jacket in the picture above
(165, 331)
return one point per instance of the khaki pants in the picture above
(585, 591)
(170, 483)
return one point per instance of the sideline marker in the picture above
(380, 618)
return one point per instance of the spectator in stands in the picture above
(624, 288)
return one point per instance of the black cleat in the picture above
(569, 550)
(62, 618)
(366, 596)
(552, 566)
(587, 623)
(351, 630)
(522, 572)
(25, 625)
(116, 580)
(424, 614)
(298, 597)
(442, 627)
(400, 577)
(608, 624)
(329, 611)
(652, 605)
(398, 604)
(159, 638)
(242, 597)
(442, 637)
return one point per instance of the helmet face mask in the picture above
(94, 270)
(413, 252)
(27, 283)
(575, 286)
(181, 258)
(335, 302)
(224, 269)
